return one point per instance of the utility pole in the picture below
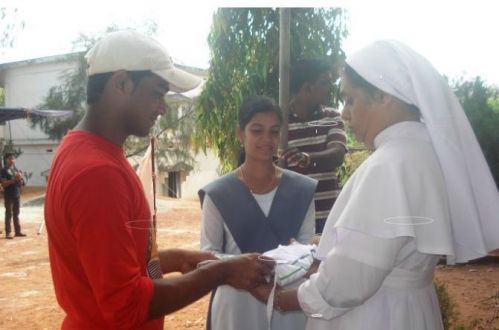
(284, 68)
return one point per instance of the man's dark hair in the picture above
(306, 71)
(97, 82)
(7, 155)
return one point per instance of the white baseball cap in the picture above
(133, 51)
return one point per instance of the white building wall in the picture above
(205, 171)
(26, 86)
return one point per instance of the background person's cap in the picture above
(132, 51)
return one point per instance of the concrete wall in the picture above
(205, 171)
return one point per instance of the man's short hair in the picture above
(306, 71)
(7, 155)
(97, 82)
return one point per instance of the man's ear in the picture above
(121, 83)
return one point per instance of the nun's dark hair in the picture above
(358, 81)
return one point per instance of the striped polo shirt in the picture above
(324, 130)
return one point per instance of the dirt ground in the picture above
(27, 298)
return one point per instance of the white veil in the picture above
(473, 196)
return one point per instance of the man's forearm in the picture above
(242, 272)
(6, 183)
(173, 294)
(330, 158)
(180, 260)
(170, 260)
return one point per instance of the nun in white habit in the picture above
(425, 191)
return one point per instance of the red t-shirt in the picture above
(98, 224)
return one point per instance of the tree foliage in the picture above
(10, 24)
(244, 46)
(351, 162)
(481, 105)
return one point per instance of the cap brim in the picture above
(179, 80)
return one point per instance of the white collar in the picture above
(404, 129)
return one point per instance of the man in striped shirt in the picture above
(316, 138)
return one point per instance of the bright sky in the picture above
(459, 37)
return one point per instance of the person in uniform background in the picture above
(12, 180)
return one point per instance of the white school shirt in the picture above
(382, 240)
(235, 309)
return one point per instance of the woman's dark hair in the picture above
(358, 81)
(257, 104)
(251, 106)
(97, 82)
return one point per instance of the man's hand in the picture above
(293, 157)
(191, 259)
(262, 292)
(248, 270)
(18, 177)
(172, 293)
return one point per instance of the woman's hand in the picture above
(247, 271)
(313, 268)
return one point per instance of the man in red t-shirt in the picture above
(98, 221)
